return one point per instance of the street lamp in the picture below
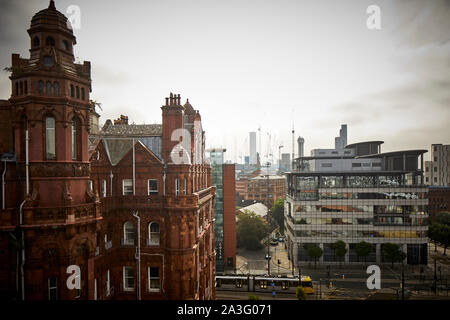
(268, 220)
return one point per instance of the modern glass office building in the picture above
(223, 178)
(359, 195)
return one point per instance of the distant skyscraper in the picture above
(341, 141)
(301, 146)
(253, 159)
(285, 162)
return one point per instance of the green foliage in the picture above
(253, 297)
(440, 233)
(443, 218)
(363, 249)
(300, 293)
(250, 230)
(393, 253)
(314, 252)
(277, 214)
(340, 248)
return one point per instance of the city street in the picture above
(348, 282)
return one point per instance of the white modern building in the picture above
(360, 194)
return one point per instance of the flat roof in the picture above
(354, 173)
(415, 152)
(364, 142)
(325, 157)
(259, 177)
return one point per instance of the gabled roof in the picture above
(118, 149)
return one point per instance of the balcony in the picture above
(127, 242)
(153, 242)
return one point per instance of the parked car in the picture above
(281, 239)
(273, 242)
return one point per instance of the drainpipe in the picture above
(21, 213)
(138, 254)
(27, 164)
(3, 185)
(134, 171)
(111, 182)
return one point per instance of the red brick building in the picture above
(68, 199)
(229, 215)
(438, 200)
(258, 192)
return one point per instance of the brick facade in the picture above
(76, 212)
(229, 214)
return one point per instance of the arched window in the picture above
(78, 92)
(65, 45)
(50, 41)
(82, 94)
(21, 87)
(72, 91)
(48, 61)
(153, 234)
(49, 87)
(41, 86)
(50, 150)
(75, 139)
(56, 88)
(36, 42)
(128, 233)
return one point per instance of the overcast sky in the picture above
(274, 64)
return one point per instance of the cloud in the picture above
(106, 76)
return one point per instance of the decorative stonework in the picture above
(49, 169)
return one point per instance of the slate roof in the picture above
(133, 130)
(258, 208)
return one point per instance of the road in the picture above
(347, 282)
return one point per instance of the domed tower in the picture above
(50, 97)
(58, 215)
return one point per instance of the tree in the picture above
(439, 233)
(300, 293)
(393, 253)
(443, 218)
(444, 237)
(277, 213)
(250, 230)
(253, 297)
(340, 249)
(433, 234)
(314, 252)
(363, 249)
